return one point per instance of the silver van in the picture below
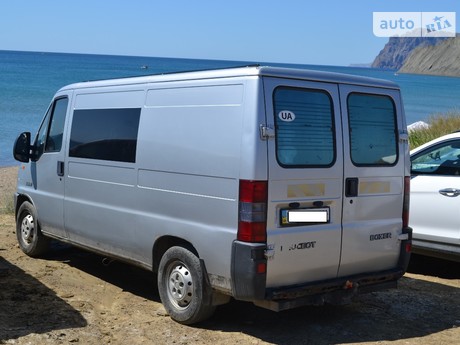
(282, 187)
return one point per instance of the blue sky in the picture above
(290, 31)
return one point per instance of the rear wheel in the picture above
(182, 287)
(30, 237)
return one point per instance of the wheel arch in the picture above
(20, 199)
(163, 243)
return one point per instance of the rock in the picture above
(161, 311)
(442, 59)
(398, 49)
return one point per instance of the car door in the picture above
(374, 168)
(47, 168)
(435, 193)
(305, 181)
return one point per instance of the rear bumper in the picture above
(406, 249)
(336, 291)
(249, 284)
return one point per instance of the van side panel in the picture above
(195, 141)
(192, 130)
(189, 156)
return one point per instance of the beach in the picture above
(72, 296)
(8, 176)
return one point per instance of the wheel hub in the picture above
(27, 228)
(180, 287)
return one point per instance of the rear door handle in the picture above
(450, 192)
(351, 187)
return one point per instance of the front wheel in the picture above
(183, 289)
(30, 238)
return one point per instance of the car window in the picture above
(49, 136)
(54, 141)
(441, 159)
(304, 128)
(373, 130)
(105, 134)
(40, 140)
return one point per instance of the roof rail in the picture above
(177, 72)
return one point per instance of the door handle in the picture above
(60, 168)
(450, 192)
(351, 187)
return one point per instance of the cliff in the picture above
(398, 49)
(442, 59)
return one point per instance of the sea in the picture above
(28, 81)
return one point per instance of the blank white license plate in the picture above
(308, 216)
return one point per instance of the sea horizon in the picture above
(353, 65)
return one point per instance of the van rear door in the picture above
(305, 181)
(374, 166)
(336, 181)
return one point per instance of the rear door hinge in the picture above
(403, 136)
(403, 237)
(269, 253)
(267, 132)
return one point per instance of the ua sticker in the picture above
(286, 115)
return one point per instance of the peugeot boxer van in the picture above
(281, 187)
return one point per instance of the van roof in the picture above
(276, 72)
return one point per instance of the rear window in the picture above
(304, 123)
(373, 130)
(105, 134)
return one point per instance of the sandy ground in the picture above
(71, 296)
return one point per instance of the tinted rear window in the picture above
(304, 122)
(373, 130)
(105, 134)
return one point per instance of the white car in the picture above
(435, 198)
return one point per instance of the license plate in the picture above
(304, 216)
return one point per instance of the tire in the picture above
(30, 238)
(182, 287)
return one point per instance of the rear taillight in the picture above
(252, 222)
(405, 214)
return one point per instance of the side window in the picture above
(304, 128)
(40, 141)
(373, 130)
(54, 141)
(442, 159)
(49, 136)
(105, 134)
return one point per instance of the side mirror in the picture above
(21, 150)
